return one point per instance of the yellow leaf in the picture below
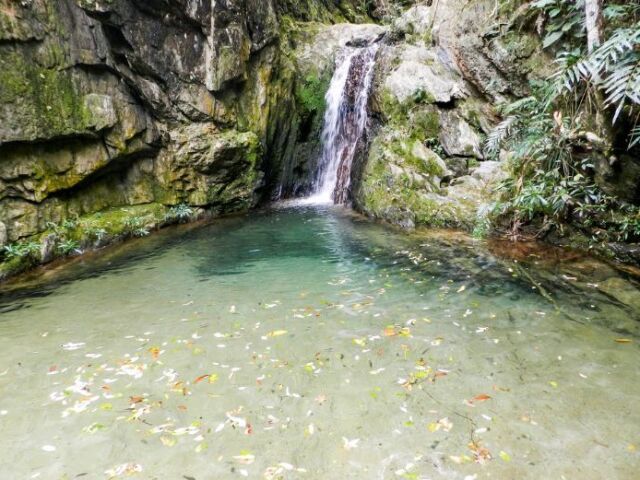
(505, 456)
(623, 340)
(277, 333)
(433, 427)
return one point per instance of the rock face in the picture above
(439, 73)
(110, 103)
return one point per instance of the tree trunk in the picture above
(595, 23)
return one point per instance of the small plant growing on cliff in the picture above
(21, 250)
(68, 247)
(70, 224)
(180, 213)
(136, 227)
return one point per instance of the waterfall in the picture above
(344, 123)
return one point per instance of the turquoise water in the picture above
(309, 343)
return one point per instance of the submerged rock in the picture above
(623, 291)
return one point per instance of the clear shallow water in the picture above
(308, 343)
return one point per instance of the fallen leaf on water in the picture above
(481, 454)
(361, 342)
(623, 340)
(390, 331)
(505, 456)
(155, 352)
(277, 333)
(201, 378)
(443, 424)
(245, 458)
(481, 398)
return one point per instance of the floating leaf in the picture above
(277, 333)
(505, 456)
(481, 398)
(155, 352)
(201, 378)
(623, 340)
(390, 331)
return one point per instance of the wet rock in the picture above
(319, 47)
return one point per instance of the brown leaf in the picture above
(201, 378)
(481, 398)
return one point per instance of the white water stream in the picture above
(345, 121)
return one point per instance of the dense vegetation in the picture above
(578, 128)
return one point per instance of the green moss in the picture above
(49, 98)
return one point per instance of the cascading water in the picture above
(344, 123)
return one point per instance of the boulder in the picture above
(421, 72)
(457, 137)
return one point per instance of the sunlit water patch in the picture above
(308, 343)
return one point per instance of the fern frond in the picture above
(499, 134)
(634, 137)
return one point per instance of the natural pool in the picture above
(308, 343)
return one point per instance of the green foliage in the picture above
(136, 227)
(550, 179)
(310, 94)
(67, 247)
(21, 250)
(565, 23)
(181, 213)
(550, 136)
(613, 68)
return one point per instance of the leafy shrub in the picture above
(180, 213)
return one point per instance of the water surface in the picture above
(308, 343)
